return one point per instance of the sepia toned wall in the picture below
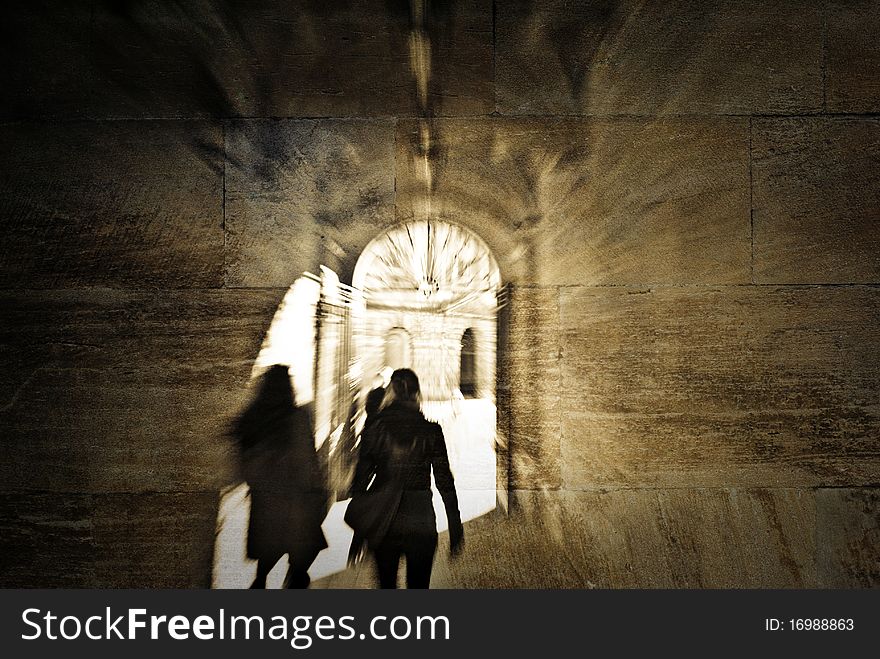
(683, 197)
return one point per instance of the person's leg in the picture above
(419, 551)
(298, 571)
(298, 578)
(387, 555)
(264, 567)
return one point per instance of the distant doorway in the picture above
(398, 348)
(468, 365)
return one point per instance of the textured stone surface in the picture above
(111, 203)
(610, 201)
(265, 58)
(155, 540)
(46, 540)
(853, 56)
(64, 540)
(124, 391)
(848, 537)
(532, 361)
(678, 538)
(729, 386)
(816, 200)
(687, 56)
(295, 186)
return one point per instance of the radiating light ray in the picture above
(439, 260)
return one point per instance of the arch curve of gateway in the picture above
(435, 281)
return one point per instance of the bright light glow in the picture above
(291, 338)
(426, 264)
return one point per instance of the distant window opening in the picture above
(398, 349)
(468, 365)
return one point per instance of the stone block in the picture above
(300, 194)
(727, 386)
(852, 69)
(816, 200)
(65, 540)
(268, 58)
(684, 57)
(848, 537)
(46, 540)
(532, 362)
(596, 201)
(155, 540)
(125, 391)
(131, 204)
(640, 538)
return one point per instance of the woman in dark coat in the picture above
(400, 449)
(288, 489)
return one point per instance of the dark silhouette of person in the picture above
(288, 485)
(373, 404)
(400, 449)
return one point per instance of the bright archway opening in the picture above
(434, 286)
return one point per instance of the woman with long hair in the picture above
(397, 455)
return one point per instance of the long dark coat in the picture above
(289, 498)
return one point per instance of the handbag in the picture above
(370, 513)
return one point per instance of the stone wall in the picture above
(683, 196)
